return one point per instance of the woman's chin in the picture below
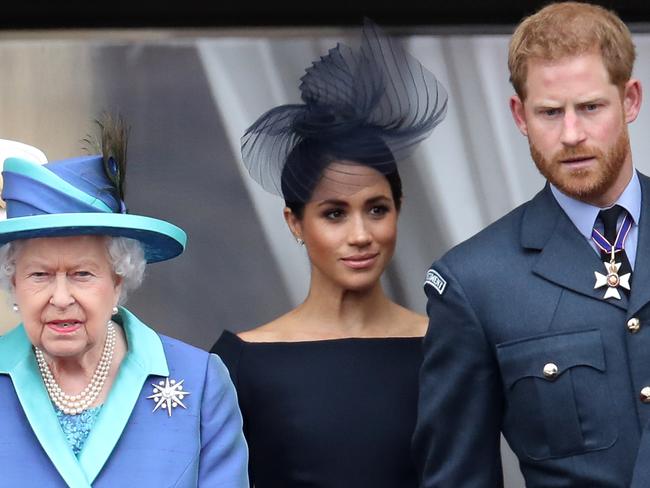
(361, 283)
(64, 349)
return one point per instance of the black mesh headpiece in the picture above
(371, 106)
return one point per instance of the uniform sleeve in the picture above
(224, 454)
(457, 435)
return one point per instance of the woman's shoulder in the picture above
(186, 358)
(229, 349)
(177, 347)
(231, 346)
(227, 341)
(407, 323)
(233, 343)
(278, 330)
(400, 322)
(265, 333)
(147, 341)
(199, 365)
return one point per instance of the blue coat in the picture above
(514, 298)
(129, 444)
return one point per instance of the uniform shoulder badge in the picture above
(436, 281)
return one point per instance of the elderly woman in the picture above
(90, 394)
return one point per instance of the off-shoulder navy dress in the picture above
(327, 414)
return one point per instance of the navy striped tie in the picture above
(609, 219)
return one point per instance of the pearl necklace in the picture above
(75, 404)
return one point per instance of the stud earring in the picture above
(300, 241)
(115, 310)
(15, 307)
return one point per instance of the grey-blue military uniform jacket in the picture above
(513, 301)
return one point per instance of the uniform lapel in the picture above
(17, 360)
(145, 357)
(640, 295)
(566, 258)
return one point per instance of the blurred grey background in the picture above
(189, 95)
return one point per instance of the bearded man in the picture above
(539, 326)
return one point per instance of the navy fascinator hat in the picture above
(370, 105)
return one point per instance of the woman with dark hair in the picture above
(328, 391)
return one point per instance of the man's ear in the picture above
(519, 114)
(632, 97)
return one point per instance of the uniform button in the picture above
(550, 372)
(645, 394)
(633, 325)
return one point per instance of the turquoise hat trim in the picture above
(161, 240)
(45, 176)
(69, 198)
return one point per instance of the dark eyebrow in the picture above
(333, 201)
(343, 203)
(378, 199)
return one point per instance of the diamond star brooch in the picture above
(168, 394)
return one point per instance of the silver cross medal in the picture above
(612, 280)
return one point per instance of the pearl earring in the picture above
(115, 310)
(15, 307)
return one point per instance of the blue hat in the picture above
(76, 197)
